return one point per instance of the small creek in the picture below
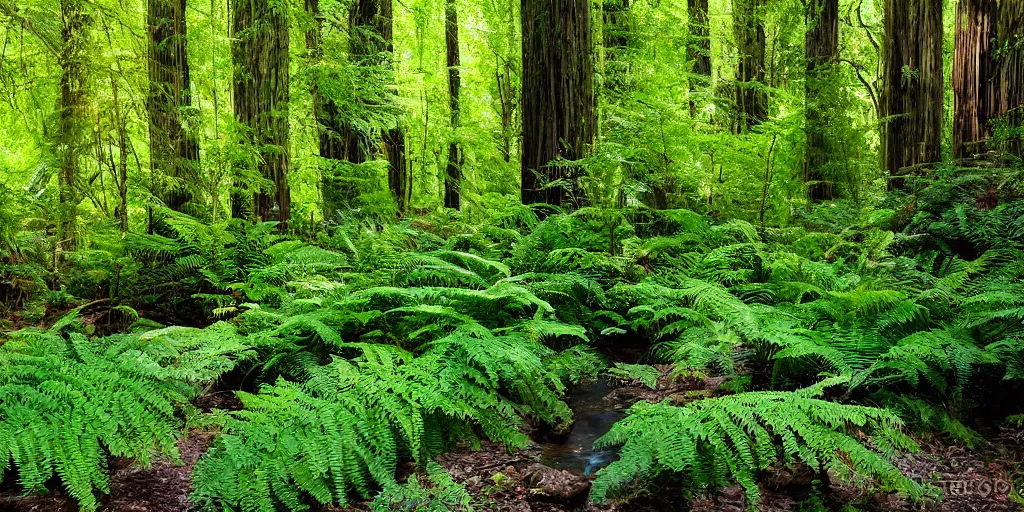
(594, 417)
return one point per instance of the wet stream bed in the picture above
(594, 413)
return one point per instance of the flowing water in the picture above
(593, 418)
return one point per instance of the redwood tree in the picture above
(913, 84)
(821, 50)
(260, 45)
(558, 98)
(975, 75)
(173, 150)
(1011, 67)
(453, 173)
(751, 98)
(699, 47)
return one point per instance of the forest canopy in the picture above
(308, 254)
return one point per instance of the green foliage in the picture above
(68, 402)
(644, 374)
(439, 493)
(340, 434)
(379, 345)
(717, 441)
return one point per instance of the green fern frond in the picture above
(716, 441)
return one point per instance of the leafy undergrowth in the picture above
(372, 350)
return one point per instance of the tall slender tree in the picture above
(913, 84)
(453, 172)
(260, 51)
(1010, 48)
(334, 141)
(371, 47)
(822, 50)
(558, 98)
(73, 139)
(751, 97)
(699, 48)
(975, 75)
(174, 151)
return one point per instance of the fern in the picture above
(340, 434)
(644, 374)
(68, 403)
(716, 441)
(439, 493)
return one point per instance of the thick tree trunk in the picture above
(912, 76)
(1011, 67)
(260, 50)
(822, 50)
(453, 173)
(174, 152)
(558, 98)
(699, 48)
(72, 135)
(975, 75)
(751, 98)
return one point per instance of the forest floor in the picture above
(978, 479)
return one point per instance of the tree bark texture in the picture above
(751, 97)
(453, 171)
(260, 51)
(174, 152)
(821, 51)
(73, 136)
(699, 47)
(913, 84)
(558, 98)
(975, 75)
(1010, 60)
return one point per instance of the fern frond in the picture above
(731, 439)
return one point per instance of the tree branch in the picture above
(11, 11)
(857, 68)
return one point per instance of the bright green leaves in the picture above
(716, 441)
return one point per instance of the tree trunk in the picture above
(72, 135)
(699, 48)
(751, 98)
(975, 75)
(912, 76)
(399, 179)
(336, 191)
(508, 102)
(371, 47)
(558, 98)
(260, 52)
(174, 152)
(453, 174)
(822, 50)
(1011, 67)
